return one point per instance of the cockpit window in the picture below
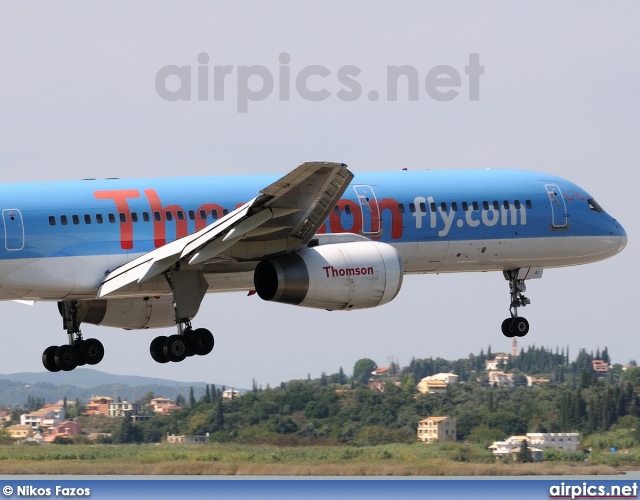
(593, 205)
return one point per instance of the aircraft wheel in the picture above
(156, 349)
(175, 348)
(520, 327)
(66, 357)
(506, 328)
(91, 351)
(188, 336)
(81, 360)
(202, 341)
(48, 358)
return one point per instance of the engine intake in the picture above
(338, 276)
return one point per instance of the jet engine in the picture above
(340, 276)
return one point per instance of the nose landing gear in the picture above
(517, 326)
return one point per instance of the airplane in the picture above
(142, 253)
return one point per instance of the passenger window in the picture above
(225, 211)
(52, 220)
(157, 217)
(465, 206)
(112, 218)
(87, 219)
(505, 203)
(433, 207)
(134, 216)
(347, 210)
(145, 216)
(528, 203)
(336, 210)
(454, 206)
(123, 217)
(485, 205)
(99, 219)
(63, 220)
(169, 215)
(496, 205)
(443, 206)
(401, 207)
(475, 205)
(412, 207)
(75, 219)
(214, 213)
(192, 215)
(423, 208)
(180, 215)
(517, 204)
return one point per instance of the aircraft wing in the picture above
(282, 218)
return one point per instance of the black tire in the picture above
(91, 351)
(156, 349)
(175, 348)
(66, 357)
(520, 327)
(188, 335)
(202, 341)
(48, 358)
(506, 328)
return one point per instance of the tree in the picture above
(146, 399)
(5, 438)
(362, 370)
(79, 407)
(219, 415)
(343, 378)
(214, 393)
(192, 398)
(62, 440)
(524, 455)
(127, 432)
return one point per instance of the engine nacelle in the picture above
(337, 276)
(130, 314)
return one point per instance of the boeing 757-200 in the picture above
(142, 253)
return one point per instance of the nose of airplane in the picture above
(622, 235)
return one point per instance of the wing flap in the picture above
(283, 218)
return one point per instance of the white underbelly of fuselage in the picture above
(59, 278)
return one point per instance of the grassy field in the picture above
(234, 459)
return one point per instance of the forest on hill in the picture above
(336, 409)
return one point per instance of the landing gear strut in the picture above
(188, 289)
(78, 351)
(517, 326)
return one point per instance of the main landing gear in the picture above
(188, 288)
(187, 342)
(517, 326)
(78, 351)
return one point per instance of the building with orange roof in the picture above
(98, 405)
(432, 429)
